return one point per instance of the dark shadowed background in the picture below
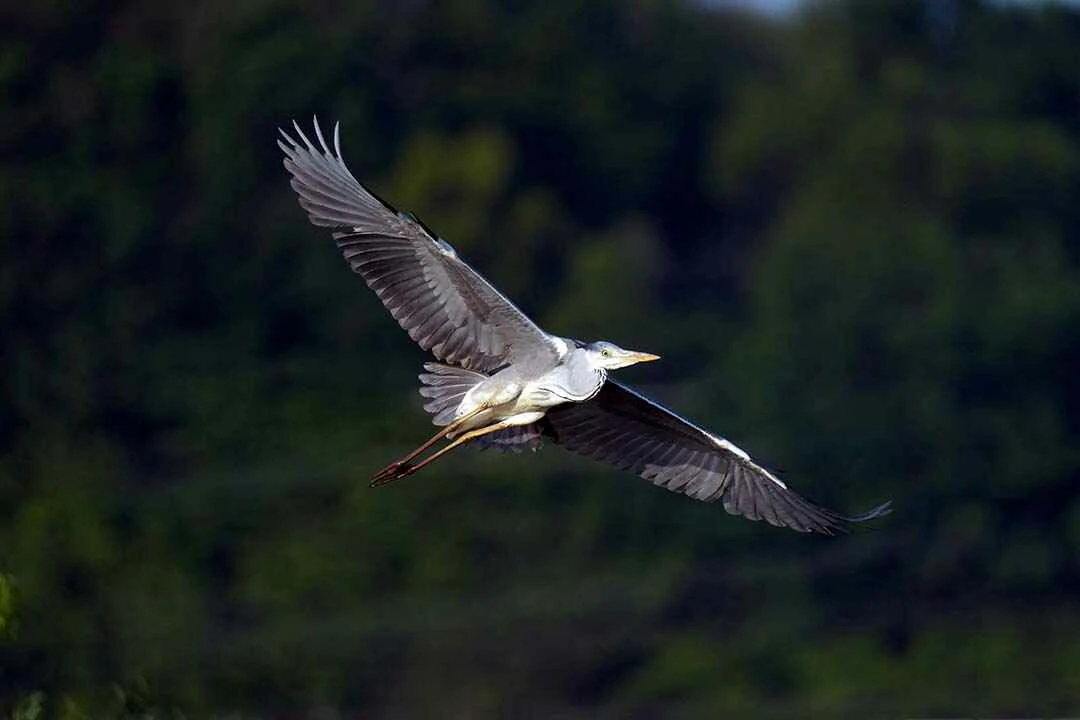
(852, 232)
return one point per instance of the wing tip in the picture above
(808, 517)
(305, 144)
(874, 513)
(845, 524)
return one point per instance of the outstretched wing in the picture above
(623, 428)
(444, 305)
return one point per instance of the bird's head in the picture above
(610, 356)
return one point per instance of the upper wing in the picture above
(444, 305)
(631, 432)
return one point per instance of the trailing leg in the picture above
(393, 471)
(406, 469)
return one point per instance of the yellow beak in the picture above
(640, 357)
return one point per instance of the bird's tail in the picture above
(443, 387)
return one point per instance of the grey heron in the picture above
(503, 382)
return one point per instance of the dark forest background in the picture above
(853, 234)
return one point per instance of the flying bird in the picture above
(503, 382)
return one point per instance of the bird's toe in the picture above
(391, 472)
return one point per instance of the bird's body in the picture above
(521, 395)
(502, 381)
(517, 394)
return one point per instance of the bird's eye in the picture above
(605, 352)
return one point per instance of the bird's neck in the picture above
(586, 376)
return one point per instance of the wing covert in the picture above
(631, 432)
(446, 307)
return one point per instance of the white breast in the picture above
(535, 395)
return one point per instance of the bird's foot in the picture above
(394, 471)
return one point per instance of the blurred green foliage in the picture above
(7, 606)
(853, 235)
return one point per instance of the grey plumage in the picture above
(444, 305)
(631, 432)
(503, 382)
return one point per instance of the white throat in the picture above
(584, 373)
